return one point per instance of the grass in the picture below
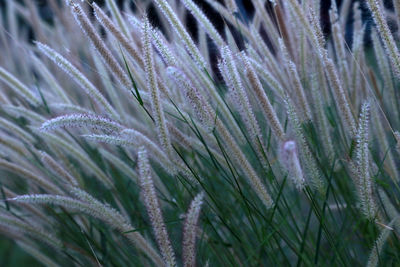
(122, 144)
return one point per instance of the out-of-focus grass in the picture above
(12, 255)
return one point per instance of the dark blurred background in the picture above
(246, 12)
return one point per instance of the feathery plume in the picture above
(267, 22)
(107, 23)
(117, 15)
(305, 152)
(339, 44)
(44, 218)
(107, 210)
(100, 46)
(206, 113)
(388, 41)
(158, 41)
(193, 96)
(299, 95)
(177, 26)
(322, 121)
(109, 139)
(268, 77)
(262, 98)
(294, 116)
(7, 152)
(81, 120)
(340, 96)
(152, 85)
(364, 180)
(204, 22)
(229, 15)
(263, 50)
(291, 160)
(79, 78)
(241, 159)
(385, 70)
(239, 95)
(153, 208)
(190, 231)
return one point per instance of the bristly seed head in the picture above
(290, 159)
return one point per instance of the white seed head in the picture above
(152, 85)
(79, 78)
(99, 45)
(153, 209)
(184, 36)
(290, 160)
(364, 181)
(197, 101)
(190, 231)
(82, 120)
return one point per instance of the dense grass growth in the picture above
(267, 143)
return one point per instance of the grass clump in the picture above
(257, 143)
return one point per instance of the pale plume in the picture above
(154, 209)
(392, 51)
(79, 78)
(290, 159)
(81, 120)
(151, 78)
(177, 26)
(364, 181)
(99, 45)
(190, 231)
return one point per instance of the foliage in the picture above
(124, 144)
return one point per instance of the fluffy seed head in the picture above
(290, 160)
(153, 208)
(190, 231)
